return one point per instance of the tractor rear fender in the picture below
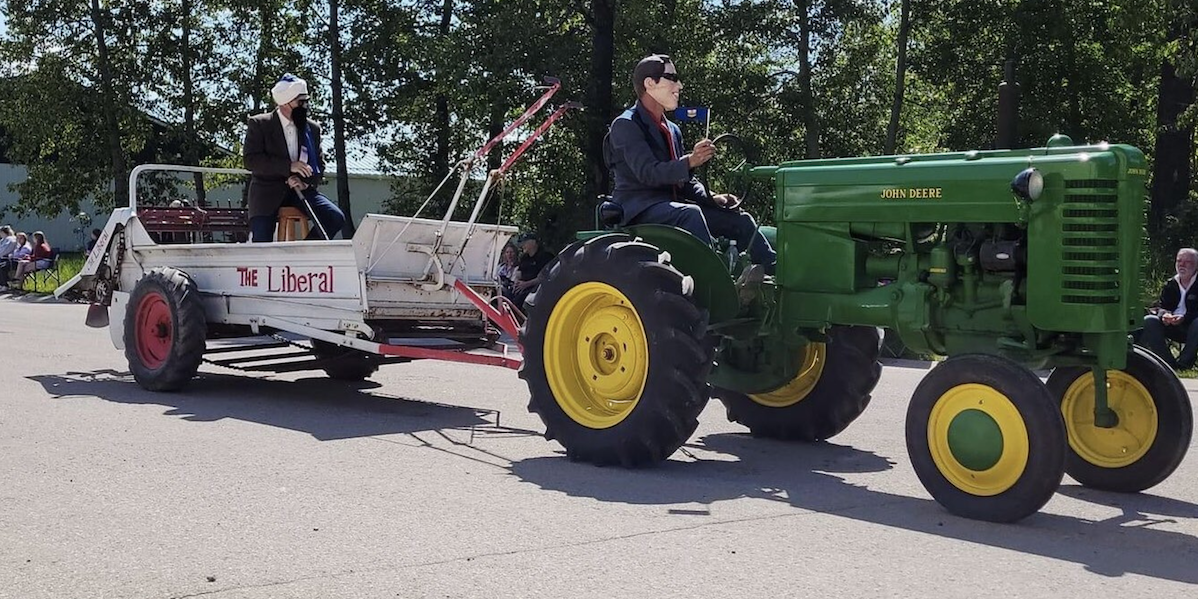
(714, 289)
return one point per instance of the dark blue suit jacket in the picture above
(639, 159)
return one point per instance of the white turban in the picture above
(288, 88)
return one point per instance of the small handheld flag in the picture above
(694, 114)
(313, 153)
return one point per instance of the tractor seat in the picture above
(610, 213)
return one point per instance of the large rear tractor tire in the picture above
(164, 330)
(986, 438)
(1152, 435)
(831, 390)
(614, 353)
(344, 363)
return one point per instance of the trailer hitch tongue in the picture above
(97, 316)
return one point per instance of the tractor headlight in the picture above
(1028, 185)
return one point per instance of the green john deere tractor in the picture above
(1003, 261)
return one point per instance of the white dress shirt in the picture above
(1181, 303)
(289, 131)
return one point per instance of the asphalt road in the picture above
(434, 481)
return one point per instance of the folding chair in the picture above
(43, 276)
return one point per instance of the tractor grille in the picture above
(1090, 242)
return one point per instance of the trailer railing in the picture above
(144, 168)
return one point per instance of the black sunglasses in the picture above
(671, 76)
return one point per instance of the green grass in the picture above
(68, 265)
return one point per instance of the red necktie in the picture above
(669, 137)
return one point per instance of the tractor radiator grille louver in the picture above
(1091, 184)
(1090, 240)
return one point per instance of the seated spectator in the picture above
(38, 259)
(1176, 318)
(532, 261)
(506, 274)
(91, 243)
(18, 256)
(8, 244)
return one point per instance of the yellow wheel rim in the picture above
(978, 439)
(811, 367)
(596, 355)
(1123, 444)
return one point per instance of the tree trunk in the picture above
(259, 82)
(347, 231)
(806, 94)
(441, 119)
(260, 55)
(1174, 149)
(900, 79)
(108, 103)
(599, 105)
(191, 153)
(1073, 124)
(495, 124)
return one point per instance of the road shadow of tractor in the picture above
(324, 408)
(807, 478)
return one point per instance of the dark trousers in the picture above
(1156, 334)
(518, 297)
(704, 221)
(262, 228)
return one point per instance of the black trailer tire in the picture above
(832, 389)
(1156, 423)
(165, 330)
(986, 438)
(615, 355)
(344, 363)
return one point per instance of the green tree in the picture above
(72, 70)
(1084, 67)
(1176, 116)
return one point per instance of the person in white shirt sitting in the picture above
(18, 255)
(1176, 318)
(8, 243)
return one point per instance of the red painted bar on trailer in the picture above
(424, 353)
(503, 318)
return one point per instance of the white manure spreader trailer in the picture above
(402, 288)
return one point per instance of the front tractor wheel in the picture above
(832, 388)
(985, 438)
(614, 353)
(1154, 424)
(164, 330)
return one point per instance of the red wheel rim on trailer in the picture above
(154, 331)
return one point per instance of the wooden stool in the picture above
(289, 219)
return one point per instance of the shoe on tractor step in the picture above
(749, 282)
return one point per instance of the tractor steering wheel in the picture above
(731, 170)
